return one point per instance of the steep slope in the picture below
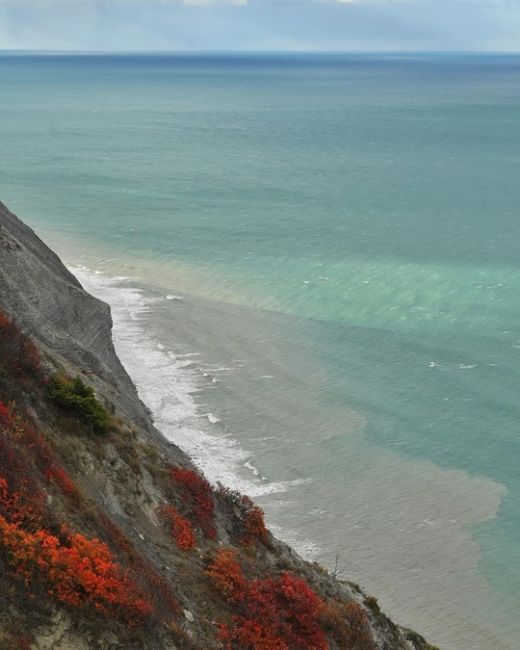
(50, 303)
(109, 537)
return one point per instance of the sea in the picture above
(313, 262)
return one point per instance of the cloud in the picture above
(393, 25)
(369, 2)
(207, 3)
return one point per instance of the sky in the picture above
(301, 25)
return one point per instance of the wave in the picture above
(168, 384)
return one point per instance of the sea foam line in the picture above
(167, 384)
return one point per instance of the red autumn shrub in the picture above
(29, 452)
(59, 476)
(88, 573)
(348, 625)
(181, 528)
(21, 498)
(18, 355)
(75, 570)
(34, 442)
(227, 575)
(5, 416)
(197, 496)
(249, 518)
(288, 611)
(24, 508)
(144, 574)
(281, 612)
(46, 461)
(254, 526)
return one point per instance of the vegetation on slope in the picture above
(75, 397)
(64, 551)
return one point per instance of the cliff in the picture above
(109, 537)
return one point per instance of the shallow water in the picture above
(323, 296)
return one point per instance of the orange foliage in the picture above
(144, 574)
(280, 613)
(76, 571)
(181, 528)
(29, 451)
(226, 573)
(21, 508)
(197, 496)
(347, 624)
(60, 477)
(21, 499)
(254, 526)
(250, 517)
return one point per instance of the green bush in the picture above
(79, 399)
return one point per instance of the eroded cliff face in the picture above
(109, 537)
(50, 303)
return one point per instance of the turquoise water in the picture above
(364, 211)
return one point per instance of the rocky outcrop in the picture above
(120, 484)
(50, 303)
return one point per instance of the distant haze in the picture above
(363, 25)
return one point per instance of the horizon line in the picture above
(57, 52)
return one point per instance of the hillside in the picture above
(109, 536)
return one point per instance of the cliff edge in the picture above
(109, 536)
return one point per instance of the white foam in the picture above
(168, 384)
(252, 468)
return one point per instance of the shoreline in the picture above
(317, 300)
(176, 412)
(126, 483)
(132, 304)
